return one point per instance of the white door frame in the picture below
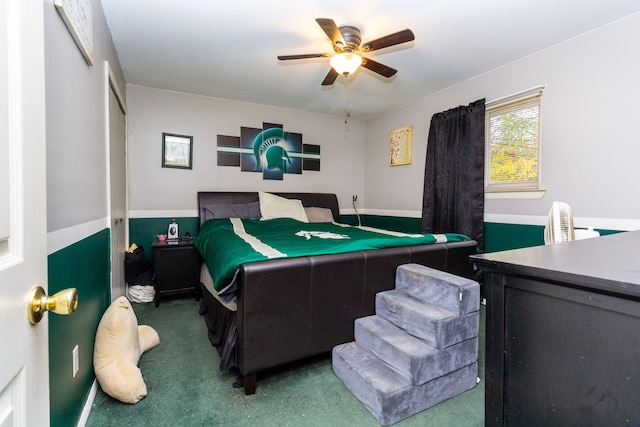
(111, 85)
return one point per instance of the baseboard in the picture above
(88, 404)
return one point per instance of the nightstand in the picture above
(177, 267)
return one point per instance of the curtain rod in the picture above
(520, 94)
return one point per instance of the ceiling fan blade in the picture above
(330, 78)
(303, 56)
(379, 68)
(332, 30)
(390, 40)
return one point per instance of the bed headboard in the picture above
(321, 200)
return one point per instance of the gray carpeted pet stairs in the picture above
(419, 349)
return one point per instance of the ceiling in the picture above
(229, 49)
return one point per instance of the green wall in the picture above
(84, 265)
(394, 223)
(142, 231)
(498, 236)
(502, 237)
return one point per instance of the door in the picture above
(117, 185)
(24, 371)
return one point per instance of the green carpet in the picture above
(186, 388)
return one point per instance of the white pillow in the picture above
(272, 206)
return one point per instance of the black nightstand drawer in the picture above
(177, 267)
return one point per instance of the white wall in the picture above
(590, 138)
(76, 150)
(157, 191)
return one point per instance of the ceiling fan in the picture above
(348, 50)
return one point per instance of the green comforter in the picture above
(227, 243)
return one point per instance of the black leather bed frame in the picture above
(293, 308)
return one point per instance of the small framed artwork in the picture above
(400, 146)
(177, 151)
(78, 17)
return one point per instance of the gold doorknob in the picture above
(63, 302)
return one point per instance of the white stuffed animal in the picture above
(119, 344)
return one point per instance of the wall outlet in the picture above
(76, 360)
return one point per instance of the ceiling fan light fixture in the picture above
(346, 63)
(346, 43)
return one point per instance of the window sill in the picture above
(520, 195)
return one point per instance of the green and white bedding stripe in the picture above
(253, 241)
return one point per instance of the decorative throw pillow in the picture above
(315, 214)
(272, 206)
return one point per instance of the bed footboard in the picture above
(289, 309)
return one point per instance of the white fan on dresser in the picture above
(559, 226)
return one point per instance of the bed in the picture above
(284, 309)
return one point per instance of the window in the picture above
(512, 139)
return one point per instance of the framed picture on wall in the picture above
(177, 151)
(400, 146)
(78, 17)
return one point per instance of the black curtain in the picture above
(453, 198)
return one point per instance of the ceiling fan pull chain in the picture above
(347, 114)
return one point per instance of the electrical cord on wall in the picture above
(354, 198)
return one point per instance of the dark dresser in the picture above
(563, 333)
